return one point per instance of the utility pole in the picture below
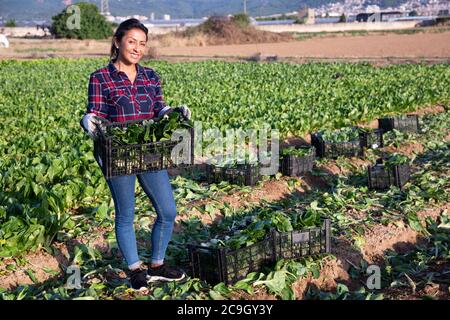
(105, 7)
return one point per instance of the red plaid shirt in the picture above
(111, 94)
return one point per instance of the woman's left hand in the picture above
(184, 110)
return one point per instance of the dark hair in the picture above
(121, 31)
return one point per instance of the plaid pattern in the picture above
(111, 94)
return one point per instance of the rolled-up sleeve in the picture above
(96, 99)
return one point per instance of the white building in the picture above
(139, 17)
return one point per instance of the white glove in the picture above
(184, 110)
(90, 122)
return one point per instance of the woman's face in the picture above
(132, 46)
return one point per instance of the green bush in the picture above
(11, 23)
(92, 24)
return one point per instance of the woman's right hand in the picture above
(90, 123)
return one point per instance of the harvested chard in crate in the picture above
(408, 123)
(304, 242)
(297, 160)
(394, 171)
(371, 138)
(226, 265)
(243, 172)
(246, 246)
(265, 163)
(335, 143)
(257, 241)
(133, 147)
(307, 234)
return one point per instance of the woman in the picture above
(124, 91)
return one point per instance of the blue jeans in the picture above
(157, 187)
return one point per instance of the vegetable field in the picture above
(56, 210)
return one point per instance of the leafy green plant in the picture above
(297, 152)
(341, 135)
(149, 130)
(424, 264)
(396, 159)
(305, 219)
(233, 161)
(343, 293)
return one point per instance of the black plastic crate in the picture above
(117, 159)
(306, 242)
(267, 166)
(292, 165)
(240, 174)
(409, 123)
(381, 176)
(371, 138)
(214, 174)
(336, 149)
(215, 265)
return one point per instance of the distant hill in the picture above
(45, 9)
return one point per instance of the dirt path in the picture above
(434, 47)
(375, 46)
